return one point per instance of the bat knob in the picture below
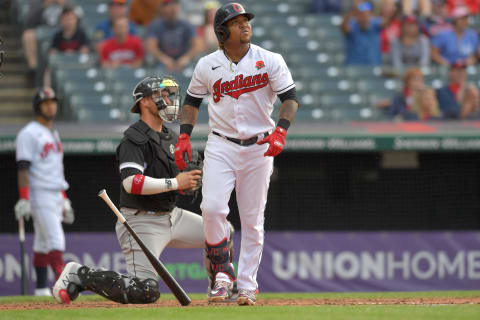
(101, 192)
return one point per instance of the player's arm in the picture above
(289, 107)
(131, 159)
(25, 149)
(22, 177)
(139, 184)
(22, 207)
(288, 110)
(197, 90)
(188, 116)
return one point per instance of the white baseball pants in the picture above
(226, 166)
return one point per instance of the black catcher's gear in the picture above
(225, 13)
(117, 287)
(195, 164)
(42, 94)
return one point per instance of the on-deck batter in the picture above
(42, 187)
(242, 82)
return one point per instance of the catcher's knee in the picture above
(117, 287)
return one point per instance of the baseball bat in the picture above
(170, 281)
(23, 268)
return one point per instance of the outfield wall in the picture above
(298, 261)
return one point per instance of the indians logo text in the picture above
(238, 86)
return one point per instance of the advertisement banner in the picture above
(294, 261)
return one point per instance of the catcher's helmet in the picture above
(154, 87)
(43, 94)
(225, 13)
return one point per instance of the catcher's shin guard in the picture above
(118, 287)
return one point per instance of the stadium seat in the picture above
(379, 85)
(354, 114)
(72, 60)
(95, 107)
(362, 72)
(332, 100)
(86, 86)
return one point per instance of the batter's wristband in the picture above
(186, 128)
(283, 123)
(23, 192)
(64, 194)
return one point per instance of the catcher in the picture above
(150, 183)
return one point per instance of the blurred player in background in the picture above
(42, 185)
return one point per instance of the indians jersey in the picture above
(41, 147)
(241, 96)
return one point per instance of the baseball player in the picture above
(149, 183)
(41, 186)
(242, 82)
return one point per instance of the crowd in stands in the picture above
(409, 35)
(403, 35)
(169, 39)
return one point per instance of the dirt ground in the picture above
(260, 302)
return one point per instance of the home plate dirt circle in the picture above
(260, 302)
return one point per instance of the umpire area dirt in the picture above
(260, 303)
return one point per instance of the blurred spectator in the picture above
(389, 11)
(41, 13)
(362, 35)
(326, 6)
(170, 40)
(473, 5)
(416, 7)
(122, 49)
(206, 33)
(438, 20)
(412, 48)
(143, 12)
(192, 11)
(460, 43)
(417, 101)
(458, 99)
(116, 9)
(71, 38)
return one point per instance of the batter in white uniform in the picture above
(242, 82)
(42, 188)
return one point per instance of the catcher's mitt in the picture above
(195, 164)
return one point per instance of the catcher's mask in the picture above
(165, 92)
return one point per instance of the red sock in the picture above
(40, 260)
(55, 258)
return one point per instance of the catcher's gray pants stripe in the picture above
(178, 229)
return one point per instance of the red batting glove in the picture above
(276, 141)
(183, 145)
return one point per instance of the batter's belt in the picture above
(244, 143)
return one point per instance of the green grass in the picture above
(370, 312)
